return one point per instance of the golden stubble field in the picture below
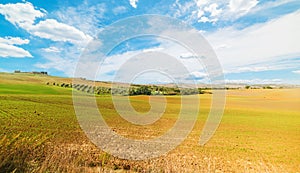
(259, 132)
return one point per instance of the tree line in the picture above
(132, 90)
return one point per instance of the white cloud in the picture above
(119, 10)
(201, 2)
(24, 15)
(66, 60)
(185, 9)
(296, 71)
(184, 57)
(207, 12)
(133, 3)
(200, 14)
(271, 65)
(8, 48)
(241, 7)
(198, 74)
(213, 10)
(53, 30)
(251, 69)
(52, 49)
(58, 63)
(276, 39)
(20, 14)
(85, 17)
(152, 49)
(14, 40)
(254, 81)
(269, 5)
(204, 19)
(63, 60)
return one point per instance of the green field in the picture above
(259, 132)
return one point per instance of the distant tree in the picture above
(267, 87)
(144, 90)
(247, 87)
(200, 91)
(132, 91)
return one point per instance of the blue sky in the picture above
(256, 41)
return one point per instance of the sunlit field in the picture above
(259, 131)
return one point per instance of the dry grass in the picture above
(20, 154)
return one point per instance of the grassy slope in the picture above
(260, 131)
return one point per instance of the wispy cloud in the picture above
(271, 65)
(63, 60)
(119, 10)
(239, 8)
(254, 81)
(86, 17)
(166, 48)
(52, 49)
(296, 71)
(203, 11)
(197, 75)
(270, 5)
(250, 69)
(276, 39)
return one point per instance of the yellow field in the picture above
(259, 132)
